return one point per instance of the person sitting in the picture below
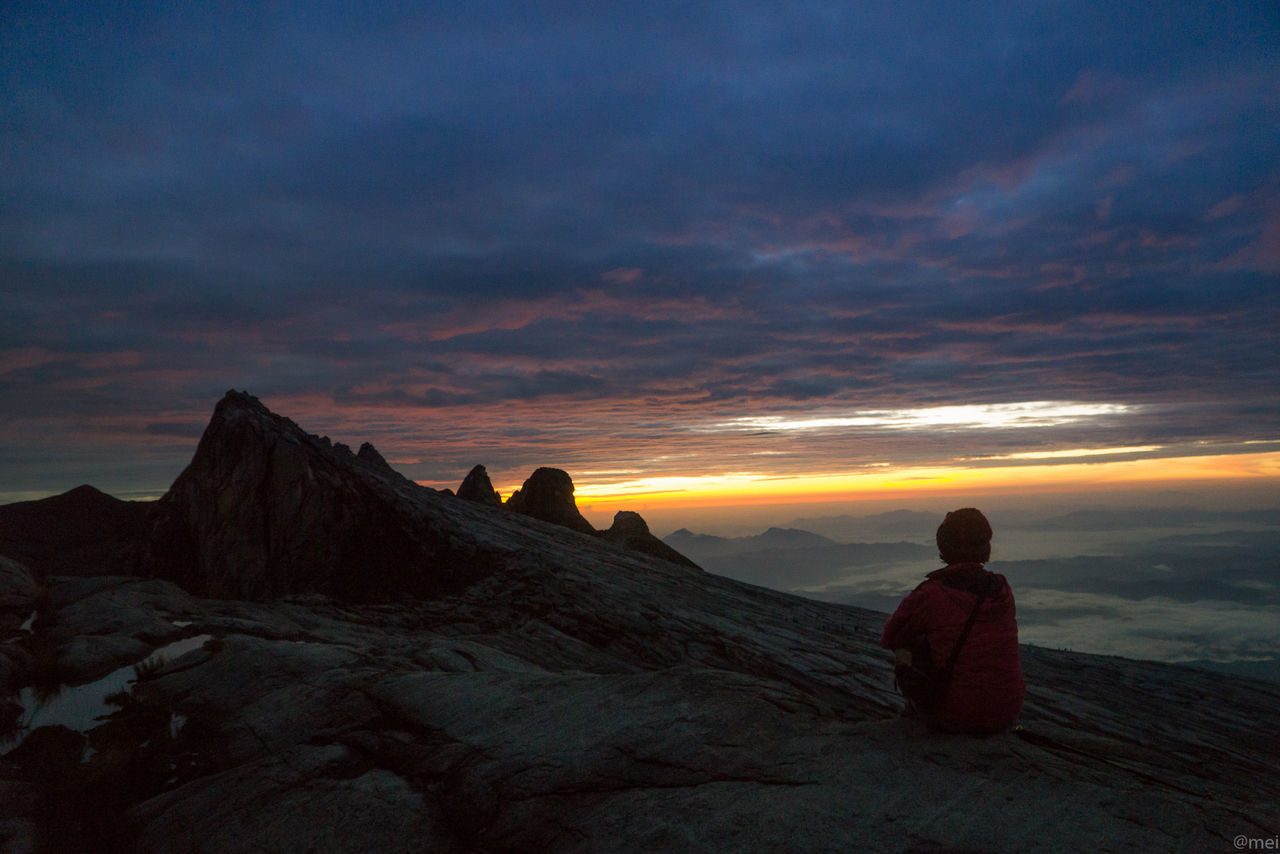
(986, 689)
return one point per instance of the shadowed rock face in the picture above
(80, 532)
(369, 454)
(548, 495)
(631, 531)
(266, 509)
(477, 487)
(18, 599)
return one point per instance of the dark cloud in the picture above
(189, 430)
(649, 216)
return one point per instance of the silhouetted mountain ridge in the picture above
(80, 532)
(790, 559)
(703, 546)
(266, 509)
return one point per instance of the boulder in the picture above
(477, 487)
(18, 596)
(548, 495)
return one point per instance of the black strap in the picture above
(955, 650)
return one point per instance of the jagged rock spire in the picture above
(266, 509)
(369, 454)
(477, 487)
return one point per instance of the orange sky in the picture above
(1258, 469)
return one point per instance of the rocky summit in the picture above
(266, 509)
(629, 529)
(476, 486)
(468, 679)
(548, 495)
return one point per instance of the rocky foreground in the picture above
(549, 689)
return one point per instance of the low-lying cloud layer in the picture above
(521, 234)
(1171, 584)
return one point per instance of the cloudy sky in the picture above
(665, 246)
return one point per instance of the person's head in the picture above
(964, 537)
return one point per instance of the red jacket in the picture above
(986, 686)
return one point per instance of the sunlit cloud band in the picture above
(1043, 413)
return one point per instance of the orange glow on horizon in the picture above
(747, 488)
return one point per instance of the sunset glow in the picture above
(749, 488)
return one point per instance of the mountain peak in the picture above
(477, 487)
(240, 407)
(234, 399)
(85, 490)
(630, 530)
(548, 495)
(265, 508)
(369, 454)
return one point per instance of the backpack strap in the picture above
(955, 650)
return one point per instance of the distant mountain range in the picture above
(708, 546)
(789, 559)
(912, 525)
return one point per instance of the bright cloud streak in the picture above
(1073, 453)
(998, 416)
(672, 486)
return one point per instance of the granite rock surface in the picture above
(618, 704)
